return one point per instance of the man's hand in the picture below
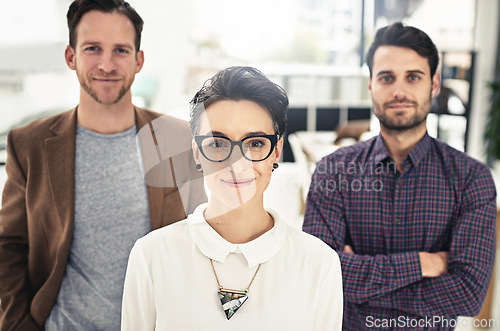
(433, 264)
(348, 249)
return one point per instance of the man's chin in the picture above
(402, 127)
(108, 102)
(107, 99)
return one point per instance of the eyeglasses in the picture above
(253, 148)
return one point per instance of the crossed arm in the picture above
(431, 264)
(423, 283)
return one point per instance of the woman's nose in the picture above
(237, 162)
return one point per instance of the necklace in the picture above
(232, 300)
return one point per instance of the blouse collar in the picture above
(213, 246)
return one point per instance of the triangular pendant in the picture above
(231, 302)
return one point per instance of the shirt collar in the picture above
(420, 150)
(380, 152)
(213, 246)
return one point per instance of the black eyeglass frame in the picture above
(272, 137)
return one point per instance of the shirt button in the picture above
(400, 182)
(397, 221)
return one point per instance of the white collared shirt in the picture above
(170, 284)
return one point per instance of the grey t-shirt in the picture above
(111, 213)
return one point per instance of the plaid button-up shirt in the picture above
(443, 200)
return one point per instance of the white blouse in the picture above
(170, 284)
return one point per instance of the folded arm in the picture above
(364, 277)
(462, 290)
(405, 281)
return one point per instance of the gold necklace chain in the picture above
(245, 291)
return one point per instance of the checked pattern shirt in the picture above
(443, 200)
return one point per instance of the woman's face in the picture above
(237, 180)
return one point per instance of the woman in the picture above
(232, 264)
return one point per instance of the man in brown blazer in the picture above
(75, 200)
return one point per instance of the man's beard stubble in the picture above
(414, 122)
(94, 95)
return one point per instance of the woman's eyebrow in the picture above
(246, 135)
(215, 133)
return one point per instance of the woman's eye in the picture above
(218, 144)
(255, 144)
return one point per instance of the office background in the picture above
(313, 48)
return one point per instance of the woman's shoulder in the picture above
(316, 259)
(172, 234)
(310, 245)
(161, 250)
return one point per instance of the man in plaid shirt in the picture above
(412, 219)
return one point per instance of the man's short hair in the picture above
(400, 35)
(79, 7)
(241, 83)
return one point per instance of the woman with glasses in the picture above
(232, 265)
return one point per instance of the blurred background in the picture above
(313, 48)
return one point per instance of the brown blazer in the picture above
(36, 219)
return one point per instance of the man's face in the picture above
(104, 57)
(401, 88)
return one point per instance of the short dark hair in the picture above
(400, 35)
(79, 7)
(241, 83)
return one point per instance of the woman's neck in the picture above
(239, 225)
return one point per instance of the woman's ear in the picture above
(278, 150)
(196, 152)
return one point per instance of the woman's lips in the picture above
(238, 183)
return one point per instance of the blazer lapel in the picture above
(155, 194)
(60, 151)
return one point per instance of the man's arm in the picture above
(15, 294)
(364, 277)
(462, 290)
(431, 264)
